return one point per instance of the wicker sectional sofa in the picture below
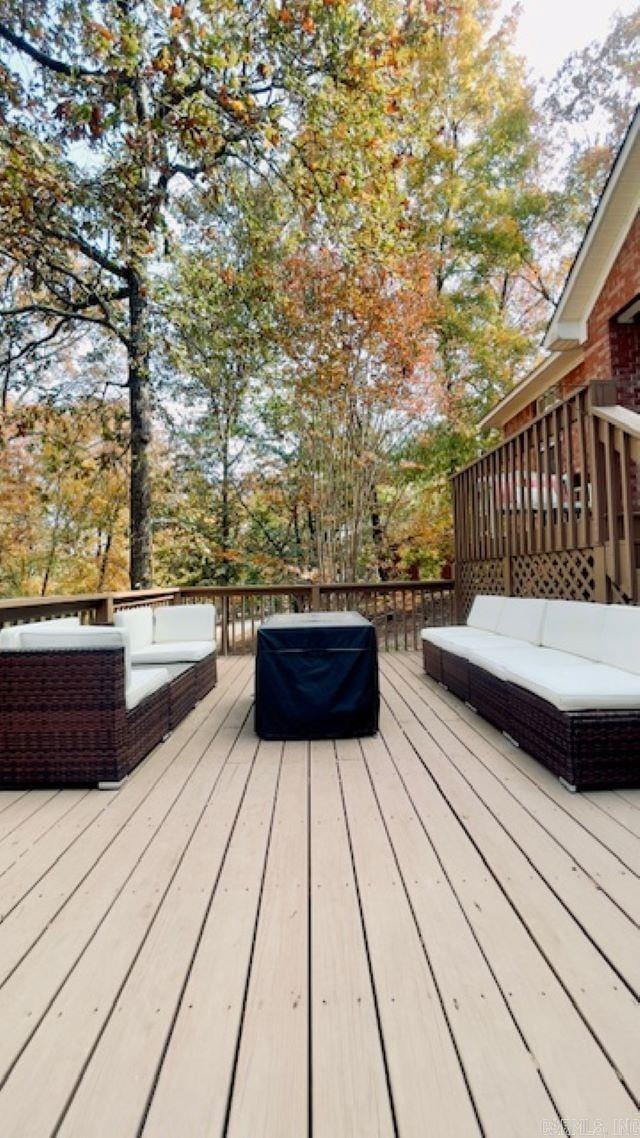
(78, 707)
(560, 678)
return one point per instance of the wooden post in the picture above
(224, 618)
(315, 598)
(103, 613)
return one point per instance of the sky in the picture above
(551, 29)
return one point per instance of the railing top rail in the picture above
(325, 587)
(22, 608)
(621, 417)
(574, 398)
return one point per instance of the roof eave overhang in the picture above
(603, 241)
(551, 370)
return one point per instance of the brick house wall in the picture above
(612, 350)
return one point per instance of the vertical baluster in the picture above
(584, 514)
(628, 558)
(559, 536)
(613, 499)
(600, 478)
(527, 503)
(567, 427)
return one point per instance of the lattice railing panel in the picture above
(474, 577)
(618, 595)
(567, 575)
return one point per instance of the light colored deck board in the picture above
(581, 1079)
(102, 924)
(271, 1088)
(42, 970)
(103, 967)
(52, 846)
(8, 798)
(500, 1069)
(33, 892)
(130, 1048)
(21, 807)
(613, 929)
(427, 1081)
(512, 770)
(605, 1003)
(37, 826)
(541, 785)
(350, 1092)
(195, 1077)
(619, 808)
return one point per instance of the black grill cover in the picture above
(317, 677)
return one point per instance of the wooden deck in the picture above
(419, 934)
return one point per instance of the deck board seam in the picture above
(367, 950)
(565, 903)
(425, 950)
(521, 918)
(254, 936)
(504, 753)
(196, 947)
(152, 920)
(459, 902)
(37, 1024)
(574, 858)
(162, 775)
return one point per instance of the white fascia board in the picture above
(603, 241)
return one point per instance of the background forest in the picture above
(263, 267)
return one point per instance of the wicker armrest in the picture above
(64, 718)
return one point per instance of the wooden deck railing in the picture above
(398, 609)
(559, 499)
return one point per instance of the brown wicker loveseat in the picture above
(76, 709)
(560, 678)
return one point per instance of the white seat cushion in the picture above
(498, 660)
(143, 682)
(460, 640)
(621, 637)
(587, 687)
(139, 625)
(574, 626)
(184, 622)
(521, 619)
(485, 612)
(80, 639)
(174, 652)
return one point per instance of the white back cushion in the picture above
(10, 638)
(574, 626)
(184, 622)
(521, 619)
(621, 637)
(56, 625)
(139, 625)
(485, 612)
(79, 639)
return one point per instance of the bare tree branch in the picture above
(69, 69)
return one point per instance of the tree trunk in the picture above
(225, 515)
(377, 534)
(140, 417)
(104, 562)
